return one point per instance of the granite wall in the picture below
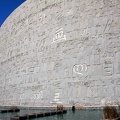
(61, 51)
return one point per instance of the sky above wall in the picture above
(7, 7)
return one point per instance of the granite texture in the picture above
(61, 51)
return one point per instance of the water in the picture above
(77, 115)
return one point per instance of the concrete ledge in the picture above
(9, 110)
(53, 113)
(47, 114)
(54, 107)
(23, 117)
(37, 115)
(40, 115)
(32, 116)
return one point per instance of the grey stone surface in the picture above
(61, 51)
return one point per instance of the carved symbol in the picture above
(79, 69)
(108, 25)
(41, 19)
(38, 95)
(56, 97)
(85, 32)
(59, 15)
(21, 96)
(59, 35)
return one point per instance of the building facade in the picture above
(61, 51)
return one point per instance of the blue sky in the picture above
(7, 7)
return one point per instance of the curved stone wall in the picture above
(61, 51)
